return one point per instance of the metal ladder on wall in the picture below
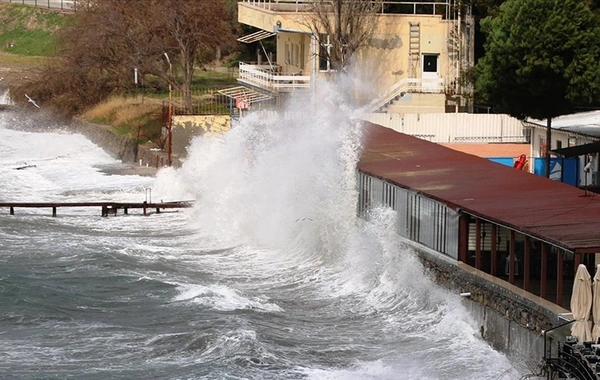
(414, 49)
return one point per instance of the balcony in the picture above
(269, 78)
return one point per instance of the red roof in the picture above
(558, 213)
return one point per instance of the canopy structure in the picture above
(578, 150)
(256, 36)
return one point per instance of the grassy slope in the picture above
(28, 40)
(29, 31)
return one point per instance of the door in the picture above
(430, 74)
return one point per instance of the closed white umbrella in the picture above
(596, 305)
(581, 304)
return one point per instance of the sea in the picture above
(270, 275)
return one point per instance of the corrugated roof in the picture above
(585, 123)
(534, 205)
(578, 150)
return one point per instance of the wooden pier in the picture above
(107, 208)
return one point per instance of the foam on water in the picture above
(5, 97)
(285, 183)
(270, 275)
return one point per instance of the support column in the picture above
(463, 237)
(494, 238)
(478, 243)
(511, 258)
(559, 277)
(54, 212)
(544, 274)
(12, 211)
(526, 263)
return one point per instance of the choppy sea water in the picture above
(269, 276)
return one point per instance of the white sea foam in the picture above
(223, 298)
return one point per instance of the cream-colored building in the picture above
(412, 64)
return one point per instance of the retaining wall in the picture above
(510, 319)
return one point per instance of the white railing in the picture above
(268, 77)
(65, 5)
(433, 85)
(387, 6)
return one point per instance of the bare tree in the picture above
(108, 39)
(193, 31)
(342, 27)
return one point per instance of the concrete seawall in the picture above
(510, 319)
(123, 148)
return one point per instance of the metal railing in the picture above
(424, 7)
(63, 5)
(405, 85)
(268, 77)
(203, 102)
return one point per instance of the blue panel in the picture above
(508, 161)
(563, 170)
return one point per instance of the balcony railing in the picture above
(427, 85)
(425, 7)
(269, 78)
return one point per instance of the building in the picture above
(523, 229)
(413, 62)
(575, 145)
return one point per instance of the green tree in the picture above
(541, 60)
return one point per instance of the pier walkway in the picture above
(107, 208)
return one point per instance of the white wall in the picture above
(454, 127)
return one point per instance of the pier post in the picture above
(12, 211)
(54, 211)
(158, 210)
(144, 211)
(125, 210)
(104, 210)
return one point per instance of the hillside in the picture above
(27, 39)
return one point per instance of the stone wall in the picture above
(510, 319)
(120, 147)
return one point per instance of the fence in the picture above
(455, 127)
(63, 5)
(203, 102)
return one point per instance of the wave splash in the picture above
(282, 186)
